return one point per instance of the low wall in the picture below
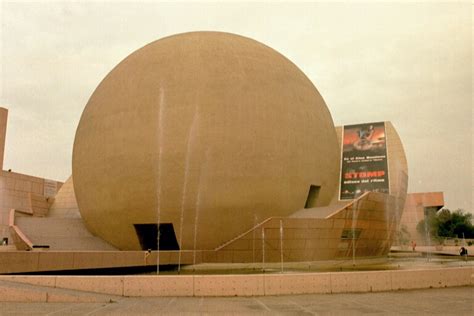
(47, 260)
(255, 284)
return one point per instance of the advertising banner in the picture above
(364, 160)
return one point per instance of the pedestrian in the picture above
(463, 253)
(413, 245)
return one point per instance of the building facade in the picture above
(224, 152)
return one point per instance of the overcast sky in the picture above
(406, 63)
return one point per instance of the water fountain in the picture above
(263, 249)
(287, 120)
(196, 220)
(428, 241)
(281, 245)
(355, 210)
(185, 186)
(160, 154)
(255, 217)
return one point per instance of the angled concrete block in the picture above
(379, 281)
(228, 285)
(158, 285)
(282, 284)
(96, 284)
(42, 280)
(348, 282)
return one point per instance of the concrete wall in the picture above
(3, 132)
(373, 219)
(300, 239)
(22, 192)
(41, 261)
(256, 284)
(59, 228)
(305, 237)
(58, 233)
(414, 212)
(65, 205)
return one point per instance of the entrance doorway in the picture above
(148, 236)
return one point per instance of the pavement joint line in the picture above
(262, 304)
(366, 305)
(413, 301)
(168, 304)
(58, 311)
(100, 308)
(302, 307)
(128, 306)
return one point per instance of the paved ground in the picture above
(448, 301)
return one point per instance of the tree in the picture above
(403, 235)
(429, 225)
(445, 223)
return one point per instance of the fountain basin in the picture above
(258, 284)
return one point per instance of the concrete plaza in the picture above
(446, 301)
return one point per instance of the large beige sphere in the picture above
(212, 130)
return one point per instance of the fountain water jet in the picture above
(263, 249)
(196, 219)
(185, 186)
(202, 175)
(428, 241)
(253, 236)
(281, 245)
(355, 208)
(158, 177)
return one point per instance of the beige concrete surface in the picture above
(24, 193)
(257, 284)
(65, 205)
(229, 285)
(414, 212)
(144, 286)
(21, 292)
(3, 133)
(41, 261)
(61, 233)
(447, 301)
(316, 233)
(205, 129)
(311, 234)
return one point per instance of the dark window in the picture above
(148, 236)
(312, 196)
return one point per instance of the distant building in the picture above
(417, 207)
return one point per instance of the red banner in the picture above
(364, 160)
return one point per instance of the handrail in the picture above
(270, 218)
(243, 234)
(356, 200)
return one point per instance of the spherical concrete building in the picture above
(208, 133)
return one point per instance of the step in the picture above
(19, 292)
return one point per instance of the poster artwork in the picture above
(364, 160)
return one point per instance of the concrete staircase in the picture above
(60, 233)
(11, 291)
